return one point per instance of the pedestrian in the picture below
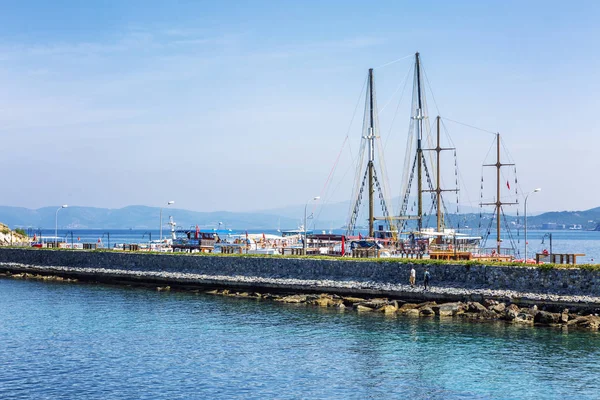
(413, 276)
(426, 277)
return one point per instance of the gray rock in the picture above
(524, 318)
(498, 308)
(375, 303)
(295, 298)
(325, 302)
(489, 303)
(513, 307)
(426, 312)
(449, 309)
(407, 306)
(361, 308)
(474, 306)
(546, 318)
(350, 301)
(414, 312)
(511, 312)
(482, 316)
(591, 322)
(388, 309)
(564, 316)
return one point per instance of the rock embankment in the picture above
(474, 305)
(489, 310)
(38, 277)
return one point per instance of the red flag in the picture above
(343, 245)
(34, 237)
(359, 236)
(508, 185)
(197, 231)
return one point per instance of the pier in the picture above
(374, 277)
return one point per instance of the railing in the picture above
(557, 258)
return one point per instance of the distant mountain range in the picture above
(136, 217)
(331, 216)
(588, 219)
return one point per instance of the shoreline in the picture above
(362, 296)
(341, 287)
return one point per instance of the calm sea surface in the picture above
(86, 341)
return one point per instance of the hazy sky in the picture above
(245, 105)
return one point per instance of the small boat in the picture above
(251, 244)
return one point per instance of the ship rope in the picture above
(382, 201)
(488, 231)
(512, 241)
(431, 193)
(327, 192)
(398, 107)
(395, 61)
(510, 234)
(405, 200)
(407, 171)
(356, 209)
(358, 187)
(380, 181)
(383, 185)
(466, 197)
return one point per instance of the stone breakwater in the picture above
(490, 310)
(526, 286)
(487, 310)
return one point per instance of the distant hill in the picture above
(588, 219)
(137, 217)
(331, 216)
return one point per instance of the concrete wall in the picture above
(523, 279)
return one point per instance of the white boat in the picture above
(267, 244)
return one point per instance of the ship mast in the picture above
(370, 181)
(498, 203)
(438, 188)
(419, 118)
(418, 164)
(371, 139)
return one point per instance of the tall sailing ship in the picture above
(408, 233)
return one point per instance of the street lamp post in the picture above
(534, 191)
(548, 235)
(305, 226)
(149, 243)
(168, 204)
(71, 232)
(108, 235)
(56, 224)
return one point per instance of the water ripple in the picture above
(97, 342)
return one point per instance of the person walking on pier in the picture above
(413, 276)
(426, 277)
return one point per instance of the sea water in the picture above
(70, 341)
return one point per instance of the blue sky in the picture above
(245, 105)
